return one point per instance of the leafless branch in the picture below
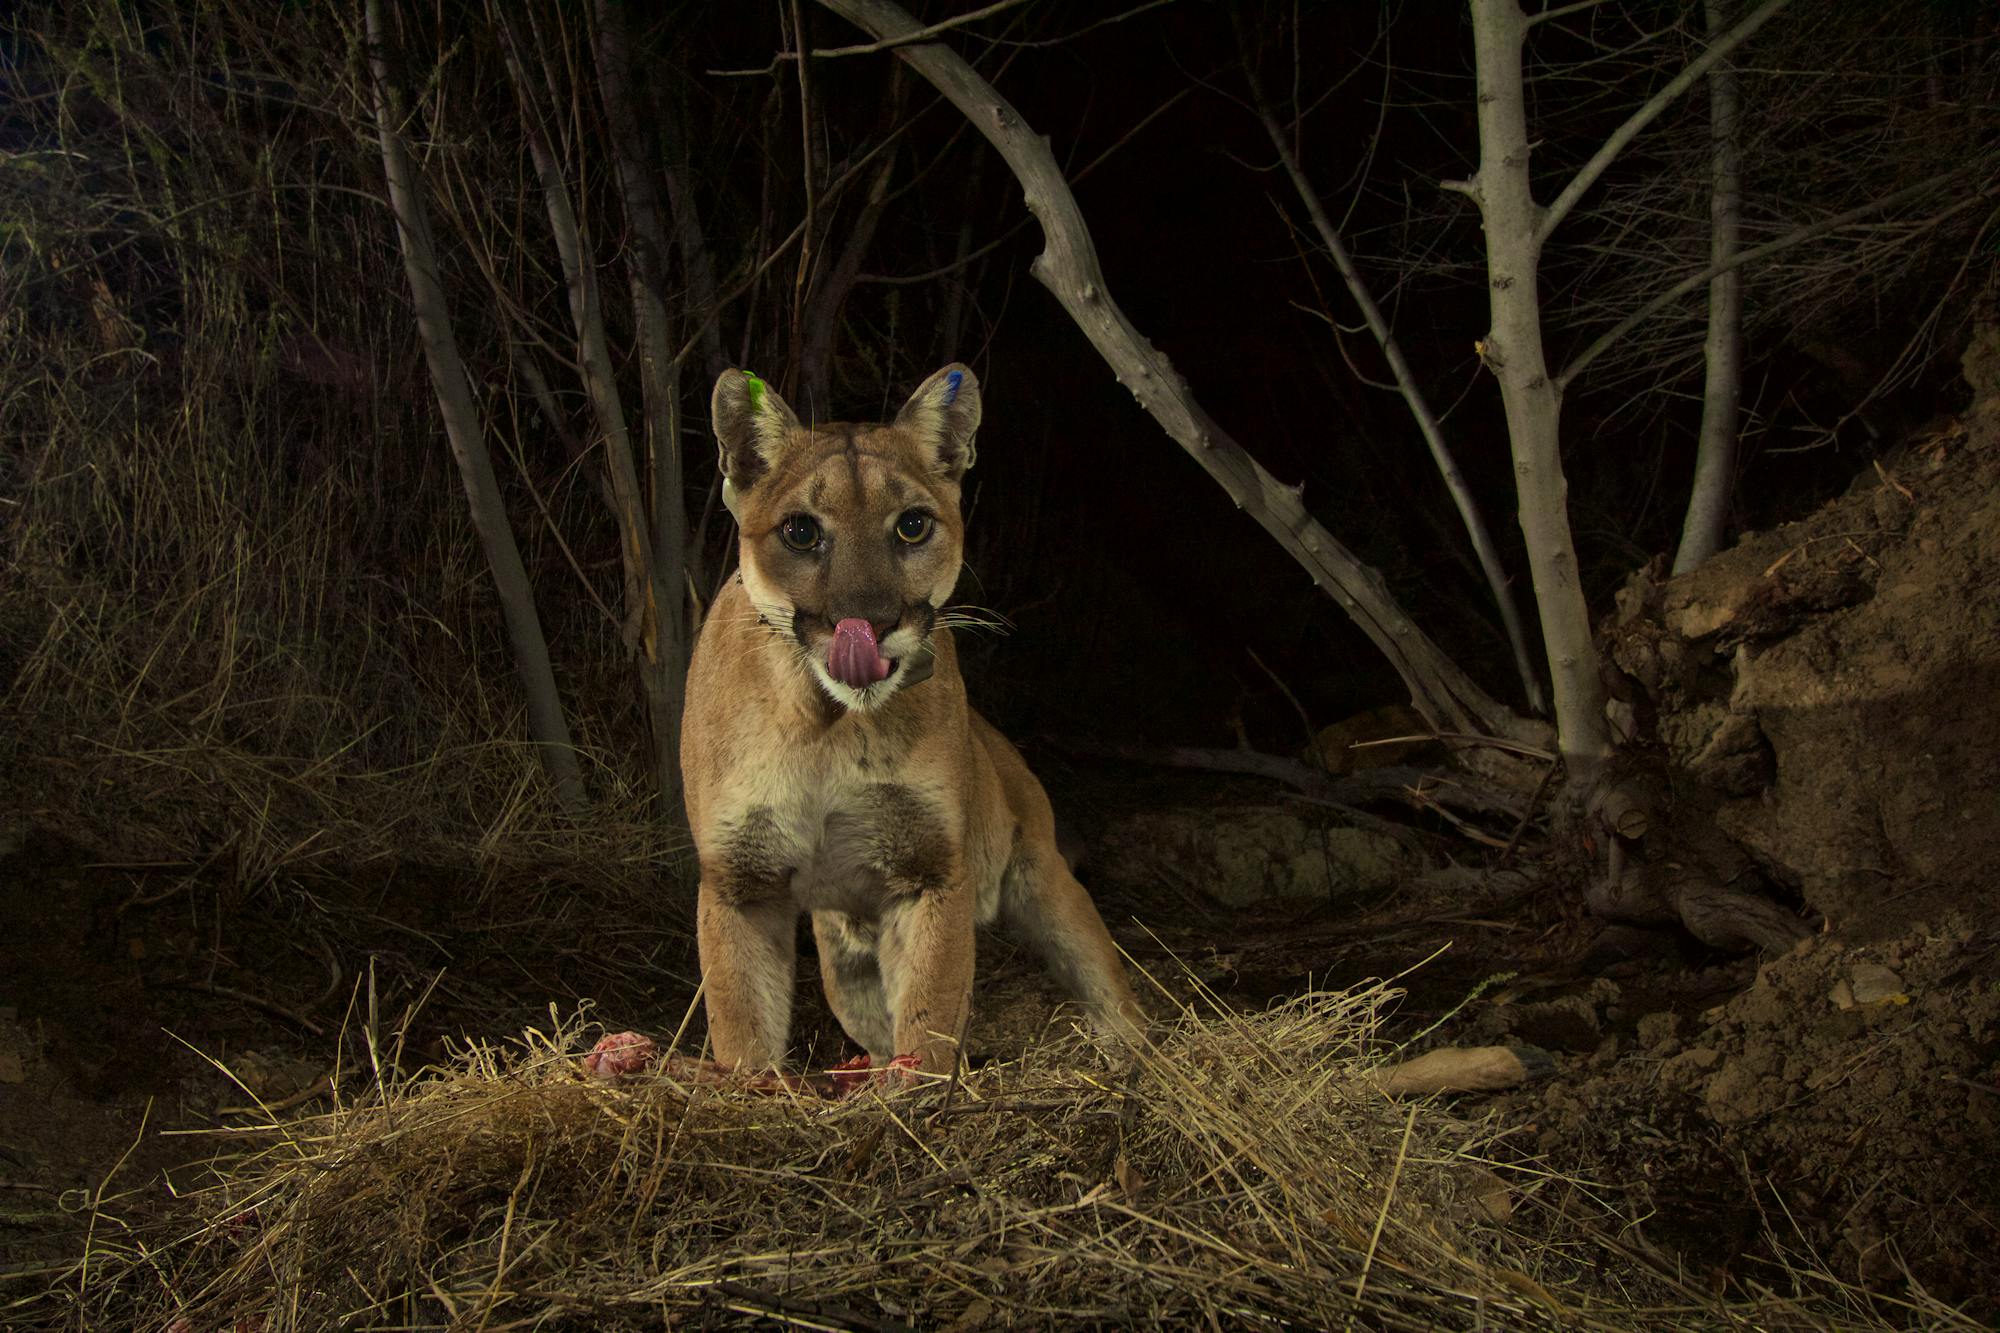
(927, 34)
(1757, 253)
(1078, 178)
(1579, 185)
(1406, 385)
(1562, 11)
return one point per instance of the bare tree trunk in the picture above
(463, 428)
(698, 268)
(803, 277)
(1068, 267)
(1722, 388)
(1516, 228)
(645, 596)
(1513, 352)
(660, 379)
(1406, 383)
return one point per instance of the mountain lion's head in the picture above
(851, 535)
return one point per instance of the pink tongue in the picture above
(852, 659)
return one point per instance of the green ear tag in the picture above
(756, 392)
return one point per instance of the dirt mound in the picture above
(1833, 688)
(1829, 694)
(1848, 1103)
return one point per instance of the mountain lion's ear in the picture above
(751, 423)
(944, 415)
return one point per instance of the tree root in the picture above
(1714, 913)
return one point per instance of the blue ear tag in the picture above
(951, 383)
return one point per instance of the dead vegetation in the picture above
(1240, 1173)
(238, 624)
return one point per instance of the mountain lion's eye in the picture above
(914, 528)
(799, 532)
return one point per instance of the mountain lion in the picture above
(832, 764)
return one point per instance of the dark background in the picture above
(223, 187)
(1138, 592)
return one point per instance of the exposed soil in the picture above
(1830, 693)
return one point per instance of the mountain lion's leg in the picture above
(748, 951)
(1042, 903)
(926, 960)
(852, 975)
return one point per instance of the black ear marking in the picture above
(944, 415)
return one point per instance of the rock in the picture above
(1243, 854)
(1873, 983)
(1685, 1072)
(1699, 619)
(1377, 738)
(1659, 1033)
(1869, 983)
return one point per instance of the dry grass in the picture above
(211, 647)
(235, 701)
(1239, 1174)
(243, 615)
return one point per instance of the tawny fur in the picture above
(897, 816)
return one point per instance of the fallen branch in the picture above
(1414, 786)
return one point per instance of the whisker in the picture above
(975, 619)
(974, 609)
